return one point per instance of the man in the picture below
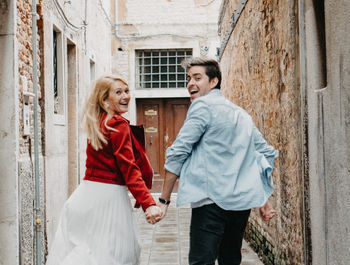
(224, 166)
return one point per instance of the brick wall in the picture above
(260, 73)
(25, 64)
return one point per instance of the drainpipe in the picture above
(36, 138)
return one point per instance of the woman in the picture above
(97, 225)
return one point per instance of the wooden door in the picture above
(162, 119)
(150, 114)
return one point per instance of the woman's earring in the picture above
(106, 104)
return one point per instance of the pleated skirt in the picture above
(96, 227)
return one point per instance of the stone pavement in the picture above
(167, 242)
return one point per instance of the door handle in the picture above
(150, 140)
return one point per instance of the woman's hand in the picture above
(153, 214)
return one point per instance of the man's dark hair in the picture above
(212, 68)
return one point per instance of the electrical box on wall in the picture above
(26, 107)
(26, 120)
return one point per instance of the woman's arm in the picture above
(125, 160)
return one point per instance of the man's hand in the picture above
(164, 209)
(168, 185)
(267, 212)
(153, 214)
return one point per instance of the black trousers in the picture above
(216, 234)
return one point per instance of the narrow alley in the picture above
(167, 242)
(285, 63)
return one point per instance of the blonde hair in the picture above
(95, 107)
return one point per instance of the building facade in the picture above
(151, 39)
(73, 46)
(77, 41)
(287, 64)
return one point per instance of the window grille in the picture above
(161, 68)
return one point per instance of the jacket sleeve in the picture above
(266, 156)
(263, 147)
(123, 152)
(195, 125)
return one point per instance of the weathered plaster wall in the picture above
(85, 38)
(313, 79)
(325, 91)
(336, 111)
(260, 73)
(9, 201)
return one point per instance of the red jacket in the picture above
(122, 160)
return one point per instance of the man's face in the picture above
(198, 83)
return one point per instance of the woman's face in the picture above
(118, 97)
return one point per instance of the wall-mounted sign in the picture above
(151, 112)
(151, 130)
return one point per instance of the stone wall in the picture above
(260, 73)
(25, 63)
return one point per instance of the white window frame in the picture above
(60, 117)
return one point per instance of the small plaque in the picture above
(151, 130)
(151, 112)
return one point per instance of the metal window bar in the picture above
(161, 68)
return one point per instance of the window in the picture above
(55, 64)
(321, 42)
(161, 68)
(58, 69)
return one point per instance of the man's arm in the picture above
(263, 147)
(168, 186)
(266, 212)
(194, 127)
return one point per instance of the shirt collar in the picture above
(215, 91)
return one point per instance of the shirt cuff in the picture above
(147, 204)
(173, 167)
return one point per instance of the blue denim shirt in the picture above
(221, 156)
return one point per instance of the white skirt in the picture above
(96, 227)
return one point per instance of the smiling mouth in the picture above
(192, 92)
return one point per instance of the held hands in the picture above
(153, 214)
(267, 212)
